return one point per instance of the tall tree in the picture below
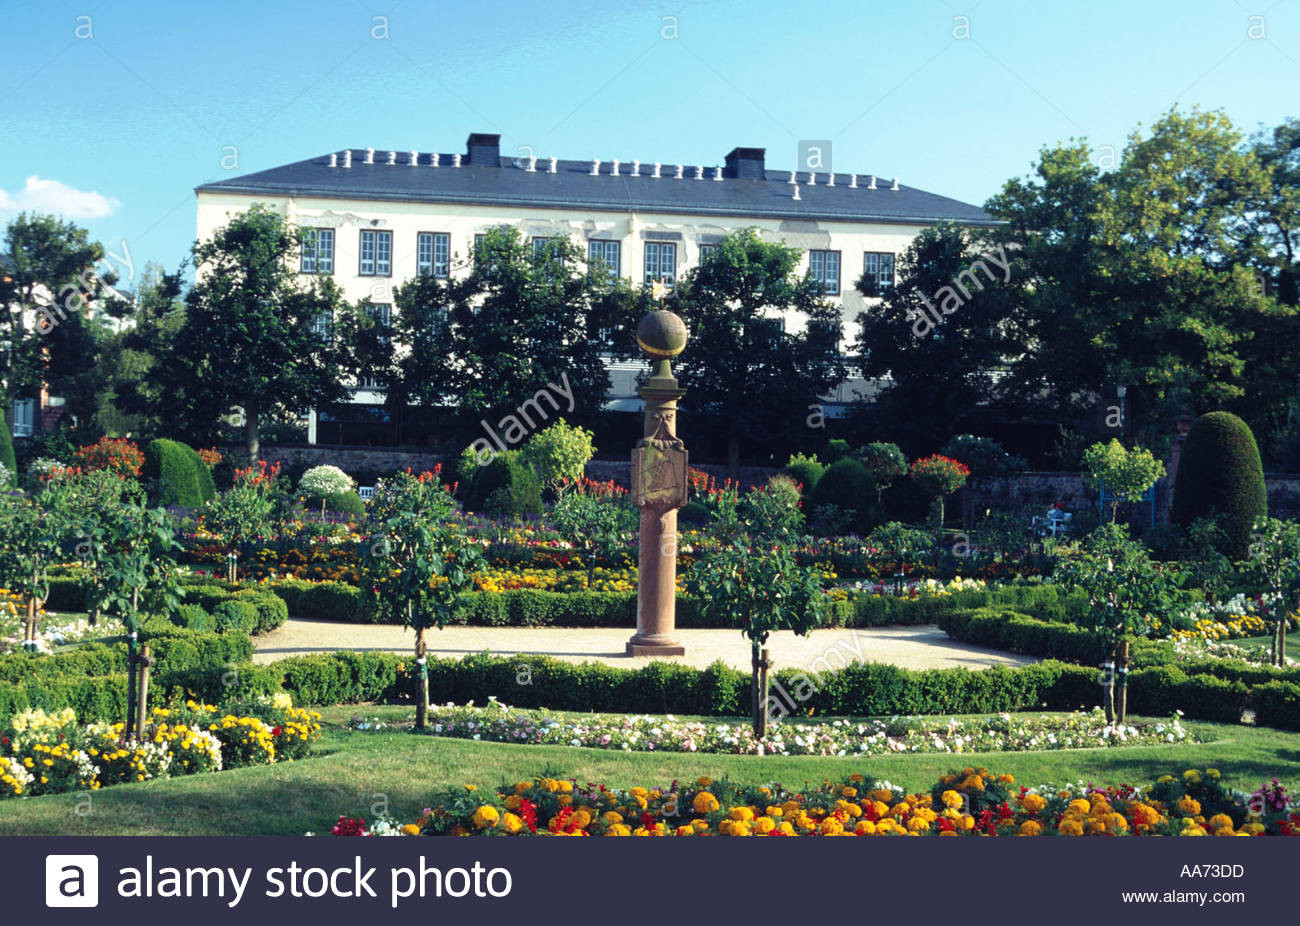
(754, 379)
(48, 334)
(523, 320)
(938, 339)
(1143, 275)
(252, 336)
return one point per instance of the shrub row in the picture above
(1010, 630)
(177, 650)
(860, 689)
(208, 605)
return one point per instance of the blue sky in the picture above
(115, 110)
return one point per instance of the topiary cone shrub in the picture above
(1220, 475)
(175, 475)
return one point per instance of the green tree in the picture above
(254, 332)
(559, 453)
(31, 541)
(752, 580)
(50, 276)
(1275, 564)
(598, 519)
(1125, 474)
(1126, 594)
(413, 571)
(735, 305)
(245, 511)
(1144, 275)
(519, 338)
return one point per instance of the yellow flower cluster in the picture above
(601, 579)
(1211, 631)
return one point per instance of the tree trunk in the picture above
(1122, 708)
(758, 690)
(421, 682)
(29, 625)
(128, 729)
(142, 704)
(754, 703)
(252, 432)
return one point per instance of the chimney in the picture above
(334, 159)
(746, 163)
(435, 159)
(347, 158)
(415, 158)
(484, 150)
(370, 155)
(392, 157)
(553, 162)
(894, 186)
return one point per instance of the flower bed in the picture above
(43, 753)
(966, 802)
(665, 733)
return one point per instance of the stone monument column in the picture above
(659, 488)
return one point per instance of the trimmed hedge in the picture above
(1277, 704)
(171, 475)
(1220, 475)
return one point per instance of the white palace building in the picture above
(381, 217)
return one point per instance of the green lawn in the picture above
(354, 771)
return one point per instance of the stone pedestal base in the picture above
(654, 650)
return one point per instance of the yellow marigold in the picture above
(618, 829)
(1079, 807)
(1070, 827)
(639, 792)
(785, 829)
(966, 822)
(705, 802)
(775, 811)
(764, 825)
(1218, 821)
(1032, 803)
(951, 798)
(884, 795)
(865, 828)
(849, 792)
(855, 777)
(831, 827)
(410, 829)
(582, 818)
(1030, 828)
(513, 802)
(704, 781)
(918, 824)
(610, 817)
(1116, 822)
(1194, 830)
(743, 814)
(1192, 775)
(1253, 829)
(700, 825)
(511, 823)
(1007, 779)
(1189, 806)
(486, 816)
(1212, 773)
(899, 809)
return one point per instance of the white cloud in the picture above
(59, 198)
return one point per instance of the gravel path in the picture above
(923, 647)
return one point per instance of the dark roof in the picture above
(507, 183)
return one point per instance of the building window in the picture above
(318, 250)
(322, 325)
(607, 254)
(879, 267)
(706, 250)
(824, 267)
(24, 417)
(433, 254)
(376, 254)
(660, 262)
(766, 331)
